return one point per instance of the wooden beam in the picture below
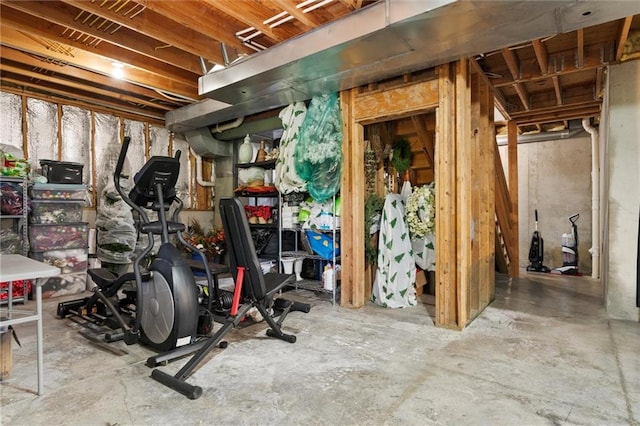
(307, 19)
(558, 90)
(413, 98)
(541, 55)
(425, 137)
(445, 176)
(64, 84)
(580, 48)
(566, 112)
(158, 27)
(522, 94)
(90, 102)
(57, 67)
(156, 76)
(204, 21)
(248, 15)
(77, 33)
(463, 189)
(512, 151)
(353, 192)
(623, 35)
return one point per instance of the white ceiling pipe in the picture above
(595, 199)
(206, 183)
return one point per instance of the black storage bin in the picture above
(61, 171)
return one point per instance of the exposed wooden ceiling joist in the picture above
(166, 45)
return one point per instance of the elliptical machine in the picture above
(166, 296)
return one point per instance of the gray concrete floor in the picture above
(543, 353)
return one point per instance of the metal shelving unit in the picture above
(19, 223)
(306, 253)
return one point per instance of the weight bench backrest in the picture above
(241, 250)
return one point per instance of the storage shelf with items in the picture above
(316, 230)
(254, 186)
(14, 207)
(58, 236)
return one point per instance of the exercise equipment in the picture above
(164, 303)
(253, 289)
(570, 250)
(536, 251)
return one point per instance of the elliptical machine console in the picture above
(166, 295)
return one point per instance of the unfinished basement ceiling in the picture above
(546, 59)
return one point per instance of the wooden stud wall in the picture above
(353, 292)
(445, 177)
(463, 162)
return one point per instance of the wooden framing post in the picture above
(463, 210)
(445, 177)
(512, 151)
(353, 192)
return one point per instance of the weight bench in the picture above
(252, 289)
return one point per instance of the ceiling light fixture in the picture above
(117, 70)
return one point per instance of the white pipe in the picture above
(595, 199)
(199, 179)
(232, 125)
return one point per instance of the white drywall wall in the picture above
(623, 190)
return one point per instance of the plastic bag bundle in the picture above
(287, 179)
(318, 155)
(117, 235)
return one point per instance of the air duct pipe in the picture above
(595, 199)
(219, 128)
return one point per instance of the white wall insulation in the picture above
(11, 127)
(182, 187)
(158, 141)
(106, 148)
(76, 137)
(42, 131)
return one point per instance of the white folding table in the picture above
(14, 267)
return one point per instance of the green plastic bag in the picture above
(318, 154)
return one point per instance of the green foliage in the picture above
(401, 155)
(372, 206)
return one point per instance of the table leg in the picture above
(39, 340)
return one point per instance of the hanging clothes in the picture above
(287, 179)
(394, 286)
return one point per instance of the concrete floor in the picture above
(543, 353)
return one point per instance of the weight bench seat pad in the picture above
(256, 286)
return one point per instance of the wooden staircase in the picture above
(506, 236)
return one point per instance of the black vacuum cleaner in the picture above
(536, 251)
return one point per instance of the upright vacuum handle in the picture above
(536, 215)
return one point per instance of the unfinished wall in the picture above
(555, 178)
(622, 191)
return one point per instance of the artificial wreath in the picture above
(421, 211)
(401, 155)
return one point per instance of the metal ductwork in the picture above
(384, 40)
(204, 144)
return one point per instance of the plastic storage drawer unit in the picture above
(62, 171)
(58, 236)
(58, 192)
(51, 211)
(71, 260)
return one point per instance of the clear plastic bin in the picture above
(51, 211)
(58, 192)
(58, 236)
(63, 285)
(72, 260)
